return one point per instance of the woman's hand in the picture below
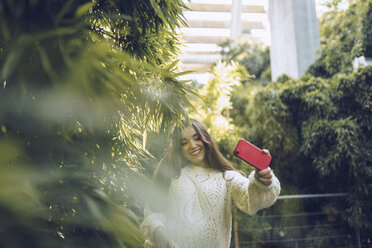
(160, 239)
(264, 176)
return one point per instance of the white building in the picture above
(293, 33)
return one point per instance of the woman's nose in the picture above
(192, 144)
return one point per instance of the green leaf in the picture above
(83, 9)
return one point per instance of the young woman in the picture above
(202, 188)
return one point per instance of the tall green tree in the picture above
(82, 82)
(345, 35)
(253, 57)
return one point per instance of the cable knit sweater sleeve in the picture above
(249, 195)
(151, 222)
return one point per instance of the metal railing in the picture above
(303, 221)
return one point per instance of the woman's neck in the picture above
(203, 164)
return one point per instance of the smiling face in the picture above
(193, 147)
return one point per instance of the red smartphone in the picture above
(252, 155)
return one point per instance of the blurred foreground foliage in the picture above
(82, 83)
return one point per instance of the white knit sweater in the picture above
(199, 214)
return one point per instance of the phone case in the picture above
(252, 155)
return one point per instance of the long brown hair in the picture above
(170, 166)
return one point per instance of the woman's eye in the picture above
(183, 143)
